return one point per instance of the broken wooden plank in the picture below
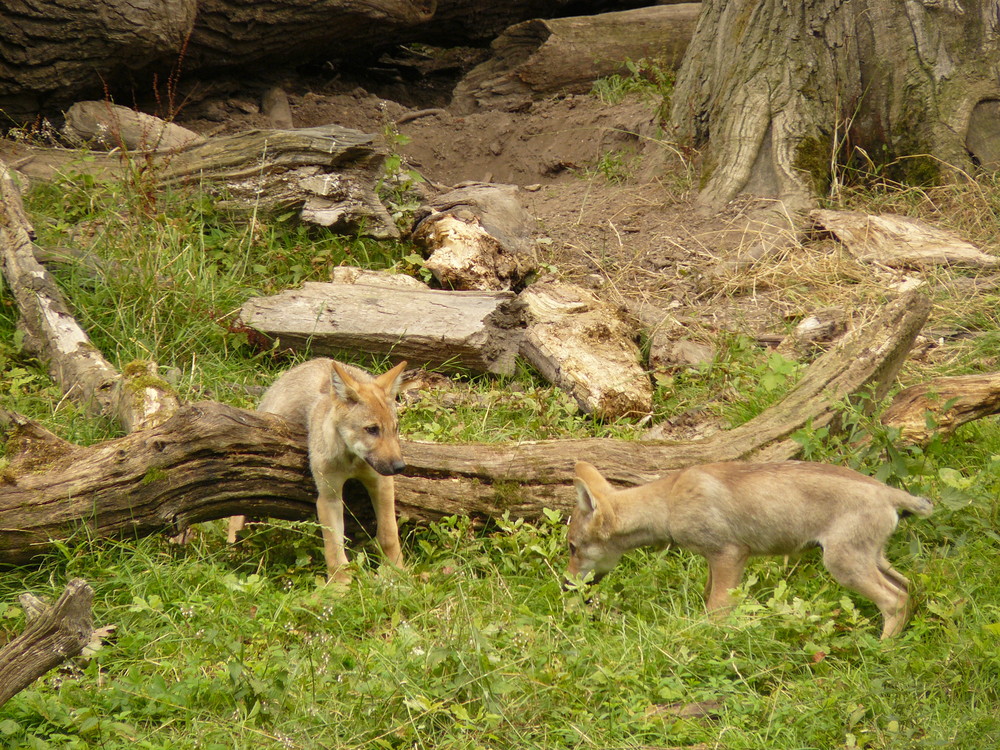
(479, 331)
(899, 241)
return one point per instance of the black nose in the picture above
(398, 466)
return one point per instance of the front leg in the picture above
(725, 569)
(330, 509)
(382, 491)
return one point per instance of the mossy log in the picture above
(52, 635)
(210, 461)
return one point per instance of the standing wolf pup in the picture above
(727, 512)
(350, 419)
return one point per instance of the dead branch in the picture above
(52, 635)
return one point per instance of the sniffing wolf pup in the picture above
(727, 512)
(350, 419)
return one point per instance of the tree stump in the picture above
(773, 98)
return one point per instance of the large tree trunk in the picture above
(210, 461)
(777, 94)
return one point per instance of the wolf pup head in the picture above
(591, 526)
(369, 427)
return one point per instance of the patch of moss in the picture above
(153, 475)
(813, 157)
(507, 494)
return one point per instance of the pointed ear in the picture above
(389, 381)
(590, 474)
(344, 386)
(586, 501)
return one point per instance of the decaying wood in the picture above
(900, 241)
(940, 406)
(53, 334)
(211, 461)
(479, 331)
(52, 635)
(585, 347)
(477, 236)
(540, 57)
(110, 126)
(326, 174)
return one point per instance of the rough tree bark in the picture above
(52, 54)
(949, 402)
(211, 461)
(777, 93)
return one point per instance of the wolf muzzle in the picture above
(387, 468)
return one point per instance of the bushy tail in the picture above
(907, 503)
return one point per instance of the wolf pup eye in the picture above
(572, 548)
(373, 430)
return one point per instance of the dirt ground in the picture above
(612, 200)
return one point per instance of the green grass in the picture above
(476, 645)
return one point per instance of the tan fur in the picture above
(727, 512)
(350, 419)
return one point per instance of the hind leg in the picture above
(897, 578)
(861, 571)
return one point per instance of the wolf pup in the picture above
(727, 512)
(350, 420)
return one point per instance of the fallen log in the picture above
(52, 635)
(479, 331)
(940, 406)
(51, 53)
(326, 174)
(542, 57)
(211, 461)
